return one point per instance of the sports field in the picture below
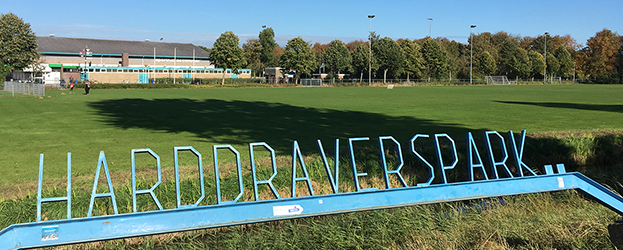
(116, 121)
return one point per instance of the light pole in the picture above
(85, 52)
(430, 27)
(471, 52)
(545, 56)
(370, 50)
(261, 63)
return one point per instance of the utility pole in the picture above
(370, 51)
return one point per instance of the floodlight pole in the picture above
(370, 50)
(545, 56)
(430, 27)
(471, 52)
(174, 63)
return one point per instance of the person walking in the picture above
(87, 87)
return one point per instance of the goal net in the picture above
(497, 80)
(311, 82)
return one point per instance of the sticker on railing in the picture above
(287, 210)
(49, 233)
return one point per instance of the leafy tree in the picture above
(204, 48)
(267, 39)
(318, 50)
(565, 61)
(227, 54)
(4, 71)
(360, 59)
(277, 52)
(553, 42)
(389, 56)
(352, 46)
(620, 62)
(484, 54)
(514, 61)
(337, 58)
(538, 44)
(252, 51)
(18, 44)
(298, 56)
(502, 37)
(457, 58)
(537, 62)
(602, 50)
(486, 63)
(553, 66)
(435, 58)
(414, 62)
(582, 61)
(374, 37)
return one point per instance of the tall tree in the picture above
(298, 56)
(514, 61)
(565, 61)
(361, 59)
(252, 51)
(537, 63)
(602, 52)
(435, 58)
(458, 60)
(389, 56)
(227, 54)
(486, 63)
(267, 39)
(337, 58)
(414, 62)
(18, 44)
(553, 66)
(538, 44)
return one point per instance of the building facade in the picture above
(116, 61)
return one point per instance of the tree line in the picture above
(599, 61)
(517, 57)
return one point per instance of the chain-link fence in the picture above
(24, 88)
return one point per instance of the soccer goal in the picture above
(497, 80)
(311, 82)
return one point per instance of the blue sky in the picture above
(201, 22)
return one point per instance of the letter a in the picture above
(110, 193)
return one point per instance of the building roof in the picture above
(100, 46)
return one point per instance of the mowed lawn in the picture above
(116, 121)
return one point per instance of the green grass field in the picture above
(117, 121)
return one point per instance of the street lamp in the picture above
(545, 56)
(370, 50)
(261, 63)
(471, 52)
(430, 27)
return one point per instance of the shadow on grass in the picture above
(593, 107)
(240, 122)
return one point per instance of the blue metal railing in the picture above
(49, 233)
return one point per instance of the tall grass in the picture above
(560, 220)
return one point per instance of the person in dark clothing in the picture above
(87, 87)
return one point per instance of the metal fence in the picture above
(311, 82)
(25, 87)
